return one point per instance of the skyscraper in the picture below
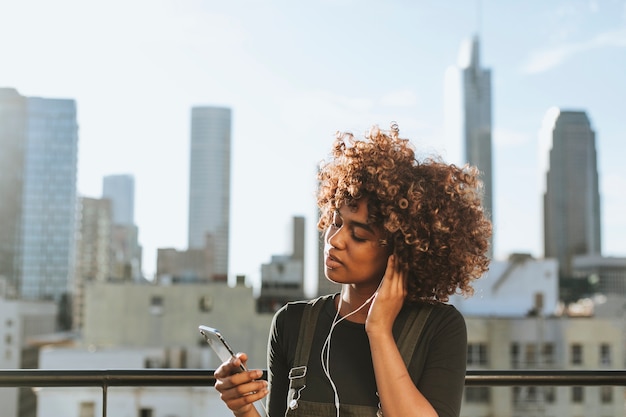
(468, 115)
(38, 193)
(126, 253)
(571, 196)
(209, 184)
(120, 189)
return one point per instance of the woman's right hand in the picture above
(239, 390)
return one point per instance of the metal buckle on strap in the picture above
(297, 372)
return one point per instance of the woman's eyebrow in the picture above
(361, 225)
(354, 223)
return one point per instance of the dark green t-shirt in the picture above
(438, 365)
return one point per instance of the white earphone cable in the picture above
(325, 354)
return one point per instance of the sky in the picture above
(294, 73)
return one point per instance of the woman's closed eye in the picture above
(357, 233)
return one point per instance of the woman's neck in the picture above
(351, 300)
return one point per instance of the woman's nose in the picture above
(334, 237)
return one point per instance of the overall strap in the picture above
(407, 341)
(297, 374)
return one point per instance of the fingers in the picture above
(239, 389)
(394, 280)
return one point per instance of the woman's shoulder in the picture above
(293, 310)
(440, 314)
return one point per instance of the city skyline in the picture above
(317, 68)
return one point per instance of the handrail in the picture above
(202, 377)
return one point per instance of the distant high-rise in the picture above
(93, 251)
(209, 184)
(126, 253)
(120, 189)
(468, 115)
(39, 139)
(571, 195)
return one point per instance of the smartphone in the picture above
(215, 339)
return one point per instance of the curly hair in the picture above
(431, 212)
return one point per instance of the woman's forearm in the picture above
(398, 395)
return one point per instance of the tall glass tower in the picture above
(468, 115)
(120, 189)
(571, 197)
(126, 260)
(12, 147)
(41, 145)
(209, 184)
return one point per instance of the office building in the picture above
(282, 280)
(39, 140)
(120, 189)
(209, 184)
(126, 253)
(571, 196)
(128, 314)
(93, 251)
(604, 275)
(550, 343)
(187, 266)
(21, 321)
(468, 116)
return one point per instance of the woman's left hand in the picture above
(389, 299)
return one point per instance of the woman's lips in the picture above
(332, 262)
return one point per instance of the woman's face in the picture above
(352, 249)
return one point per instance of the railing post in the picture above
(104, 399)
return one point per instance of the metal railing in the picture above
(38, 378)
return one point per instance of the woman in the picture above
(401, 236)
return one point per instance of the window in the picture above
(206, 303)
(606, 395)
(605, 354)
(87, 409)
(477, 394)
(578, 394)
(515, 360)
(548, 353)
(549, 394)
(145, 412)
(576, 354)
(524, 395)
(477, 354)
(156, 305)
(530, 354)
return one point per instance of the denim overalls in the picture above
(297, 376)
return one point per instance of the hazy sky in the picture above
(294, 72)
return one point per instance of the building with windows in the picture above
(604, 275)
(128, 314)
(20, 321)
(282, 280)
(39, 140)
(93, 251)
(129, 325)
(581, 343)
(468, 116)
(209, 184)
(571, 191)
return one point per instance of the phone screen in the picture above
(217, 342)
